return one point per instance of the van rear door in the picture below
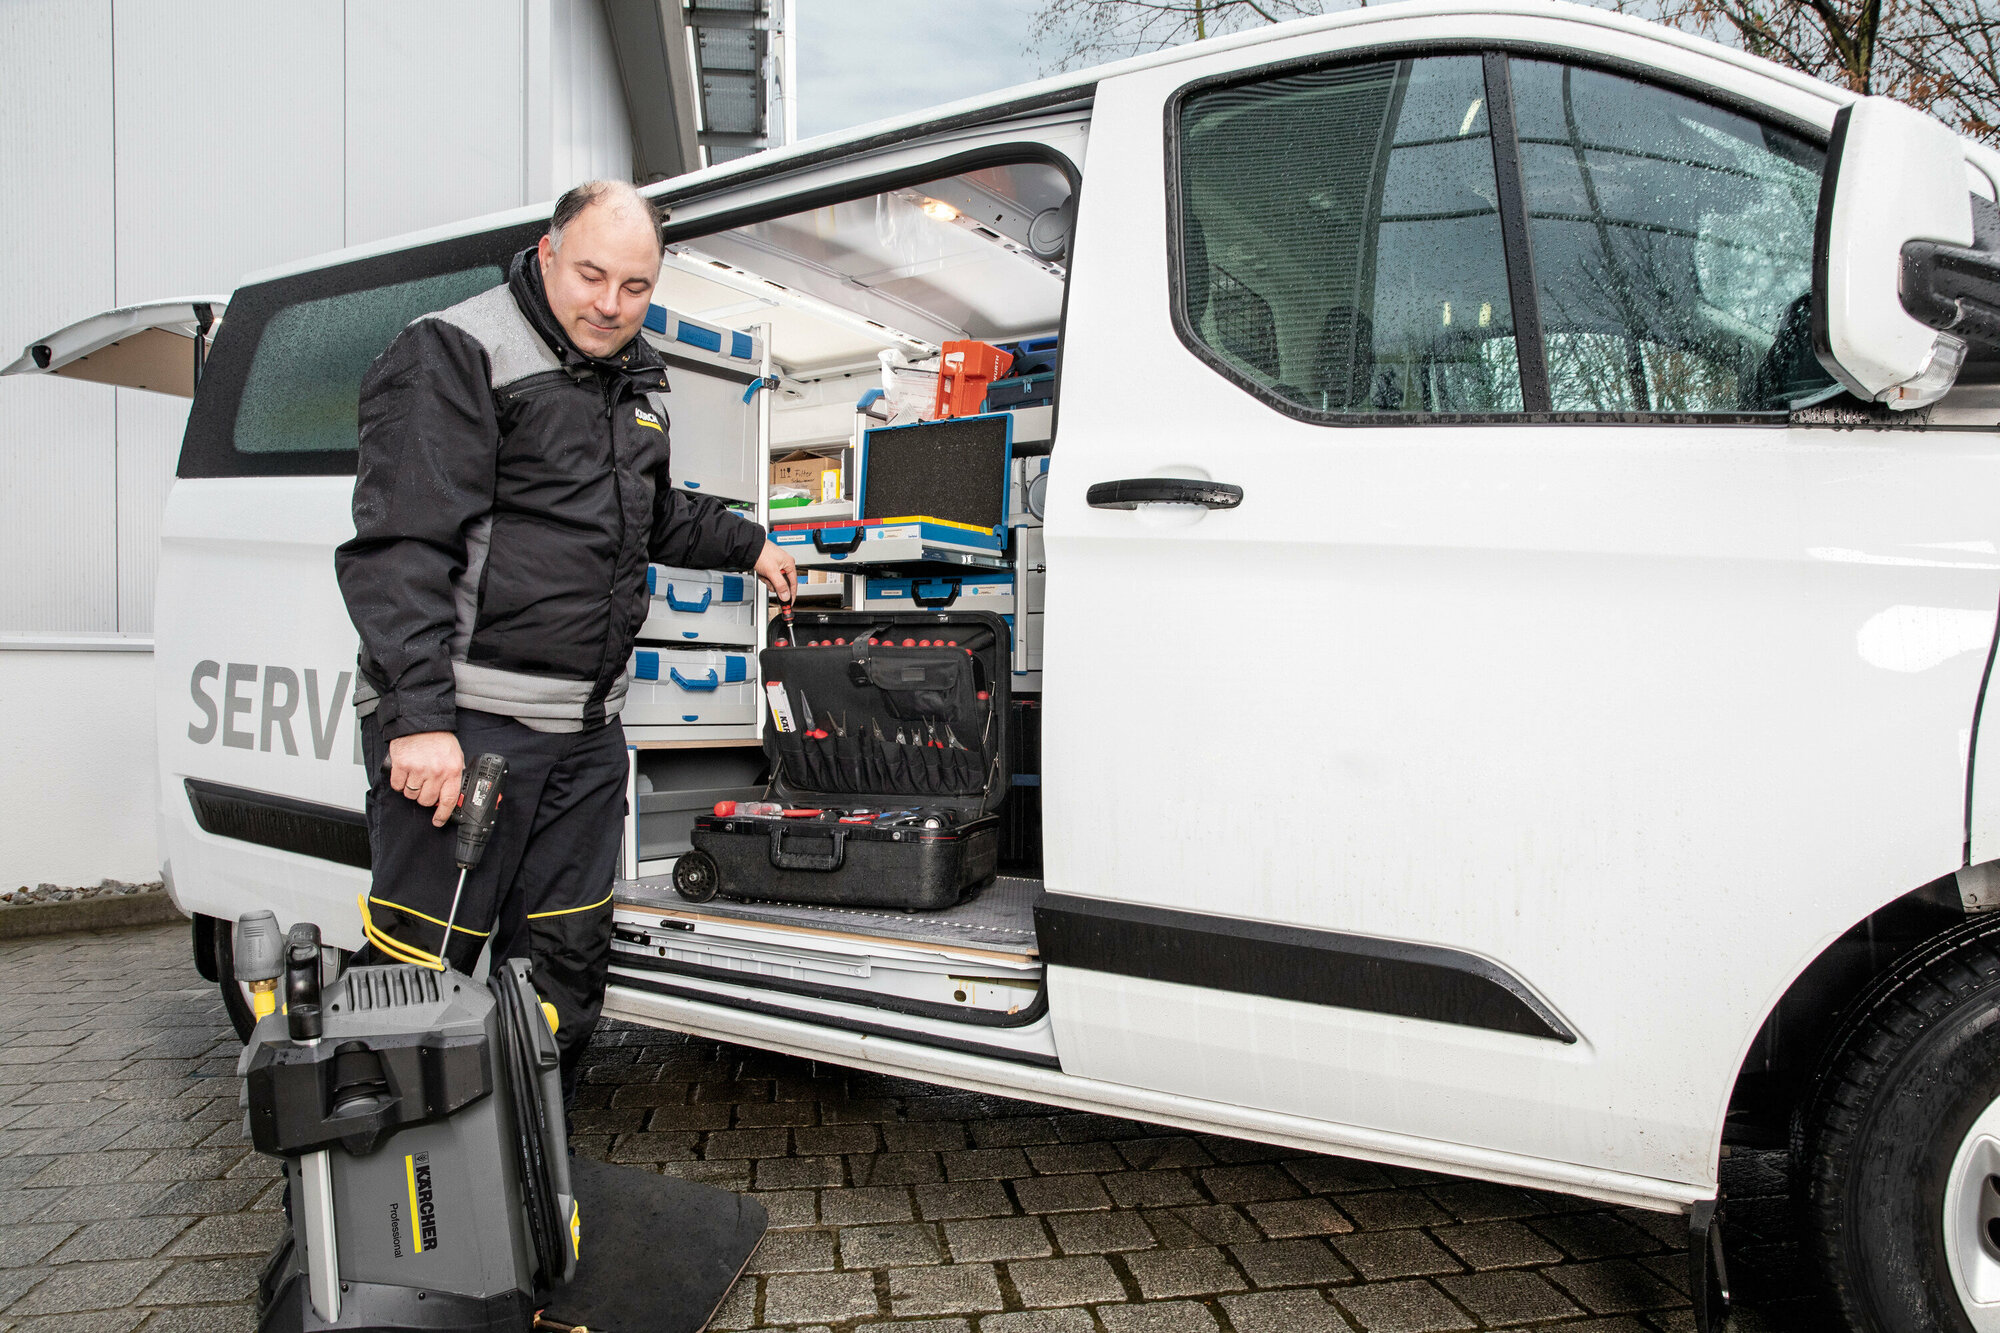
(261, 782)
(157, 345)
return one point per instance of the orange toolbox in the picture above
(963, 374)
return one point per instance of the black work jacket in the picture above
(511, 492)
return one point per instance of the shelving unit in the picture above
(648, 849)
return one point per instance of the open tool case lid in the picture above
(898, 683)
(956, 470)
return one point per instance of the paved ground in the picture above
(128, 1200)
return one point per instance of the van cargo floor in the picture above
(1001, 919)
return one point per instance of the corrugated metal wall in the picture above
(58, 451)
(161, 148)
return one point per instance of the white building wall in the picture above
(58, 451)
(83, 810)
(454, 123)
(589, 136)
(158, 148)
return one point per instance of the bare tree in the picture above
(1940, 55)
(1070, 34)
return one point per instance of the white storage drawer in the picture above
(1027, 632)
(699, 606)
(1030, 565)
(717, 445)
(691, 687)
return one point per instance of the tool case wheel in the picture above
(695, 877)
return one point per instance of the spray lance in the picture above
(265, 956)
(259, 951)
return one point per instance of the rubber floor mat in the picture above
(658, 1255)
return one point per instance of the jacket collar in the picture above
(637, 361)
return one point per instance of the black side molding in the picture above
(1290, 963)
(269, 820)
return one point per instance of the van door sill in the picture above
(975, 964)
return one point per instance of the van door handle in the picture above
(1135, 491)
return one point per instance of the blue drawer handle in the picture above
(713, 681)
(707, 596)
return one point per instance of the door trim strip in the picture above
(1424, 981)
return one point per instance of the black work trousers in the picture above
(543, 889)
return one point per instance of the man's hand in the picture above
(779, 572)
(426, 767)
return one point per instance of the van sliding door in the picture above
(1464, 642)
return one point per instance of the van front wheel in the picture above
(1901, 1145)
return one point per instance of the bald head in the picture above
(620, 198)
(600, 260)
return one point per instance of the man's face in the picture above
(601, 281)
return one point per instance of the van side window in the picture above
(1672, 246)
(1339, 239)
(280, 396)
(302, 393)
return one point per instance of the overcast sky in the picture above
(861, 60)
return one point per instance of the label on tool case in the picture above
(781, 708)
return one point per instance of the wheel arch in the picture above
(1778, 1068)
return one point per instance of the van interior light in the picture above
(940, 210)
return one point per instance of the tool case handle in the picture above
(843, 547)
(785, 860)
(951, 590)
(678, 604)
(714, 679)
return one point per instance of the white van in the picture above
(1527, 723)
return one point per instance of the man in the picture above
(512, 488)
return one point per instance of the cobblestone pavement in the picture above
(129, 1201)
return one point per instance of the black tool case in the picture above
(936, 678)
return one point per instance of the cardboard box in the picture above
(810, 472)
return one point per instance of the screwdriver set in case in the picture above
(901, 715)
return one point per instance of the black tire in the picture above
(1913, 1065)
(696, 877)
(222, 970)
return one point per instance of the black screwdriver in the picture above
(478, 810)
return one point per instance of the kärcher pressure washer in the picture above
(419, 1117)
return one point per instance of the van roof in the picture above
(1060, 91)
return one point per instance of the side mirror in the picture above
(1904, 284)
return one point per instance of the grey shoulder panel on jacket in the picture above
(495, 322)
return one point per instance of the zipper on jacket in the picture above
(610, 386)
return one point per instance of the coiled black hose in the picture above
(523, 1078)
